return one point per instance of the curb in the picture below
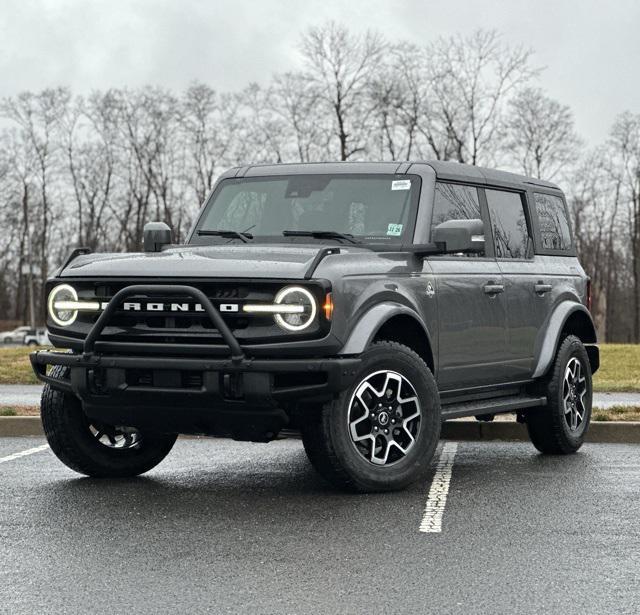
(621, 432)
(11, 426)
(599, 431)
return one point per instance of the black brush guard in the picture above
(234, 396)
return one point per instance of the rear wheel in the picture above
(560, 428)
(93, 448)
(381, 433)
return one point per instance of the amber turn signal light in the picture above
(328, 306)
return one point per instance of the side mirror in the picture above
(156, 235)
(460, 235)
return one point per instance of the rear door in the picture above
(527, 289)
(469, 291)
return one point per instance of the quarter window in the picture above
(553, 221)
(510, 231)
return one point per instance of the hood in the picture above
(237, 261)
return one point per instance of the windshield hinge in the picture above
(74, 253)
(318, 258)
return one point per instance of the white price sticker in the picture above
(401, 184)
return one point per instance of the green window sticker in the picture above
(395, 230)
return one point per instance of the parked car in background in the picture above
(37, 337)
(16, 336)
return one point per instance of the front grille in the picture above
(190, 327)
(185, 327)
(192, 323)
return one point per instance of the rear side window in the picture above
(511, 236)
(454, 202)
(553, 221)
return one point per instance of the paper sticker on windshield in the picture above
(401, 184)
(394, 230)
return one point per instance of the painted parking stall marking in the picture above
(29, 451)
(437, 498)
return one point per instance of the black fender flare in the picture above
(371, 321)
(553, 330)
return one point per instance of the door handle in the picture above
(541, 288)
(493, 289)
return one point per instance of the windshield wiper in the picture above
(244, 237)
(322, 235)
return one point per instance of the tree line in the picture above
(92, 170)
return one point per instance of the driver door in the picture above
(469, 290)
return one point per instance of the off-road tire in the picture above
(66, 428)
(548, 429)
(331, 451)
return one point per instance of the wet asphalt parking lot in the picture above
(228, 527)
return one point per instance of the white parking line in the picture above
(437, 498)
(29, 451)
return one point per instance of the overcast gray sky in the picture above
(591, 49)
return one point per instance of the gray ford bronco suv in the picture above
(358, 304)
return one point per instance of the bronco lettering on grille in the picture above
(175, 307)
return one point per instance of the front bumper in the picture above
(248, 398)
(104, 379)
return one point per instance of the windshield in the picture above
(370, 208)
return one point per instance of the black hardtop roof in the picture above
(452, 171)
(457, 171)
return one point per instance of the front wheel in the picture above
(382, 432)
(96, 449)
(561, 426)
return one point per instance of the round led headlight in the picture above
(61, 299)
(304, 316)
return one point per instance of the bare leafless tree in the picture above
(625, 146)
(211, 125)
(86, 135)
(540, 134)
(20, 214)
(297, 102)
(265, 132)
(471, 79)
(424, 130)
(154, 162)
(36, 116)
(340, 65)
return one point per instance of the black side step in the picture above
(511, 403)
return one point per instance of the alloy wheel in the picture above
(118, 437)
(574, 389)
(384, 417)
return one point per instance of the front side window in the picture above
(553, 221)
(454, 202)
(372, 208)
(510, 231)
